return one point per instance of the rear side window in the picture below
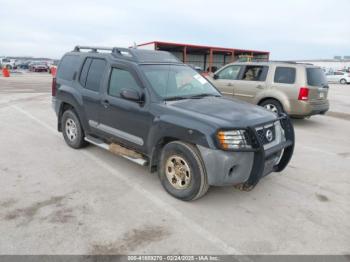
(68, 67)
(285, 75)
(121, 79)
(95, 74)
(316, 77)
(255, 73)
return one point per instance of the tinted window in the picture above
(121, 79)
(68, 67)
(285, 75)
(84, 71)
(93, 80)
(255, 73)
(315, 77)
(230, 72)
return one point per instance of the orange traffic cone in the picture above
(53, 71)
(5, 72)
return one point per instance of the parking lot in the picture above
(56, 200)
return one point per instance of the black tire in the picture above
(197, 185)
(70, 122)
(270, 104)
(343, 81)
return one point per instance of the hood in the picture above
(224, 112)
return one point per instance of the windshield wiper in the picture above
(172, 98)
(202, 95)
(189, 97)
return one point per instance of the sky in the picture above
(289, 29)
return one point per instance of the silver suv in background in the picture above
(299, 90)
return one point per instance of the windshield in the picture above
(177, 81)
(316, 77)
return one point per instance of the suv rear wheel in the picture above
(272, 105)
(343, 81)
(72, 131)
(182, 172)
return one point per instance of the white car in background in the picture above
(8, 63)
(338, 77)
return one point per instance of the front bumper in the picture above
(247, 167)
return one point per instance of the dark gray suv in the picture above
(154, 110)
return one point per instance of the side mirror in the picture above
(130, 94)
(215, 76)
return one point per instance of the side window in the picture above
(84, 71)
(119, 80)
(95, 74)
(255, 73)
(68, 67)
(229, 73)
(285, 75)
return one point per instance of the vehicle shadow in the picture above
(308, 123)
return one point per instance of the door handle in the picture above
(259, 86)
(229, 84)
(105, 103)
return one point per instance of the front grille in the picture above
(266, 134)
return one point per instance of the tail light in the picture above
(303, 93)
(53, 87)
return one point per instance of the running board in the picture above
(118, 150)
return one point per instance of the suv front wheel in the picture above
(181, 171)
(72, 131)
(272, 105)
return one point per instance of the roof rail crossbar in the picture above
(126, 53)
(92, 48)
(122, 51)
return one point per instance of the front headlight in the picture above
(233, 139)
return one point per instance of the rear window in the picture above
(94, 77)
(68, 67)
(285, 75)
(316, 77)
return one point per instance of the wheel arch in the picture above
(65, 105)
(157, 151)
(272, 98)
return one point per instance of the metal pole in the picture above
(210, 59)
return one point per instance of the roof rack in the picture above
(132, 54)
(118, 51)
(282, 61)
(290, 62)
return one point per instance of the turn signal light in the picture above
(232, 139)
